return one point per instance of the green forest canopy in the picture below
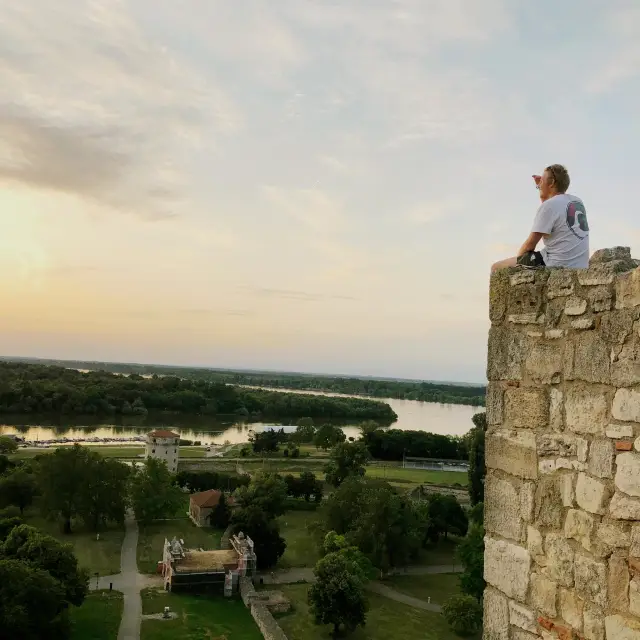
(40, 389)
(374, 387)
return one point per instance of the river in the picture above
(447, 419)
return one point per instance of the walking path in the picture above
(392, 594)
(129, 582)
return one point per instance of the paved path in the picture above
(129, 582)
(291, 576)
(392, 594)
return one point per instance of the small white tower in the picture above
(164, 445)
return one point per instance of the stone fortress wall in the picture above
(562, 493)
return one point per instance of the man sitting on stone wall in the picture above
(561, 222)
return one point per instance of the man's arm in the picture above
(531, 242)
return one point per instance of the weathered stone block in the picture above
(601, 458)
(560, 283)
(513, 452)
(555, 334)
(557, 444)
(506, 567)
(526, 408)
(575, 306)
(626, 405)
(498, 295)
(622, 445)
(523, 617)
(628, 473)
(549, 509)
(628, 290)
(616, 327)
(519, 634)
(526, 318)
(506, 354)
(525, 300)
(591, 361)
(636, 444)
(591, 494)
(525, 276)
(586, 410)
(582, 324)
(625, 370)
(591, 580)
(618, 589)
(534, 543)
(495, 403)
(567, 490)
(624, 508)
(600, 298)
(612, 253)
(614, 534)
(602, 273)
(502, 508)
(556, 415)
(543, 594)
(634, 597)
(634, 549)
(593, 622)
(559, 559)
(527, 500)
(621, 628)
(571, 608)
(619, 431)
(496, 615)
(579, 525)
(582, 447)
(544, 361)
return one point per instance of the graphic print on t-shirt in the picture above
(577, 219)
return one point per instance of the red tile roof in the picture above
(163, 433)
(206, 499)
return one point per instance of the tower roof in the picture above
(163, 433)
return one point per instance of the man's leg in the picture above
(503, 264)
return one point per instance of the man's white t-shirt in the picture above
(564, 219)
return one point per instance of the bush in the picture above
(464, 614)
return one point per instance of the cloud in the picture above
(91, 105)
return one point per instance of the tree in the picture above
(269, 545)
(335, 543)
(305, 431)
(221, 515)
(41, 551)
(138, 407)
(308, 486)
(153, 493)
(327, 436)
(104, 495)
(471, 554)
(445, 516)
(32, 603)
(9, 519)
(18, 488)
(266, 491)
(346, 459)
(62, 477)
(8, 445)
(5, 464)
(338, 596)
(477, 469)
(464, 614)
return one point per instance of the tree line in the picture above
(376, 388)
(30, 388)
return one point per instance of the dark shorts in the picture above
(531, 259)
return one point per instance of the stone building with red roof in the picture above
(164, 445)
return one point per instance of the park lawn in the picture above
(385, 619)
(97, 556)
(438, 587)
(415, 476)
(99, 616)
(151, 540)
(211, 617)
(106, 451)
(192, 452)
(301, 549)
(442, 553)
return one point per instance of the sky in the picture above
(306, 185)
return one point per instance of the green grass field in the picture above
(151, 538)
(386, 619)
(437, 587)
(102, 556)
(199, 618)
(415, 476)
(301, 550)
(99, 616)
(106, 451)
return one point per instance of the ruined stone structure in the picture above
(562, 493)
